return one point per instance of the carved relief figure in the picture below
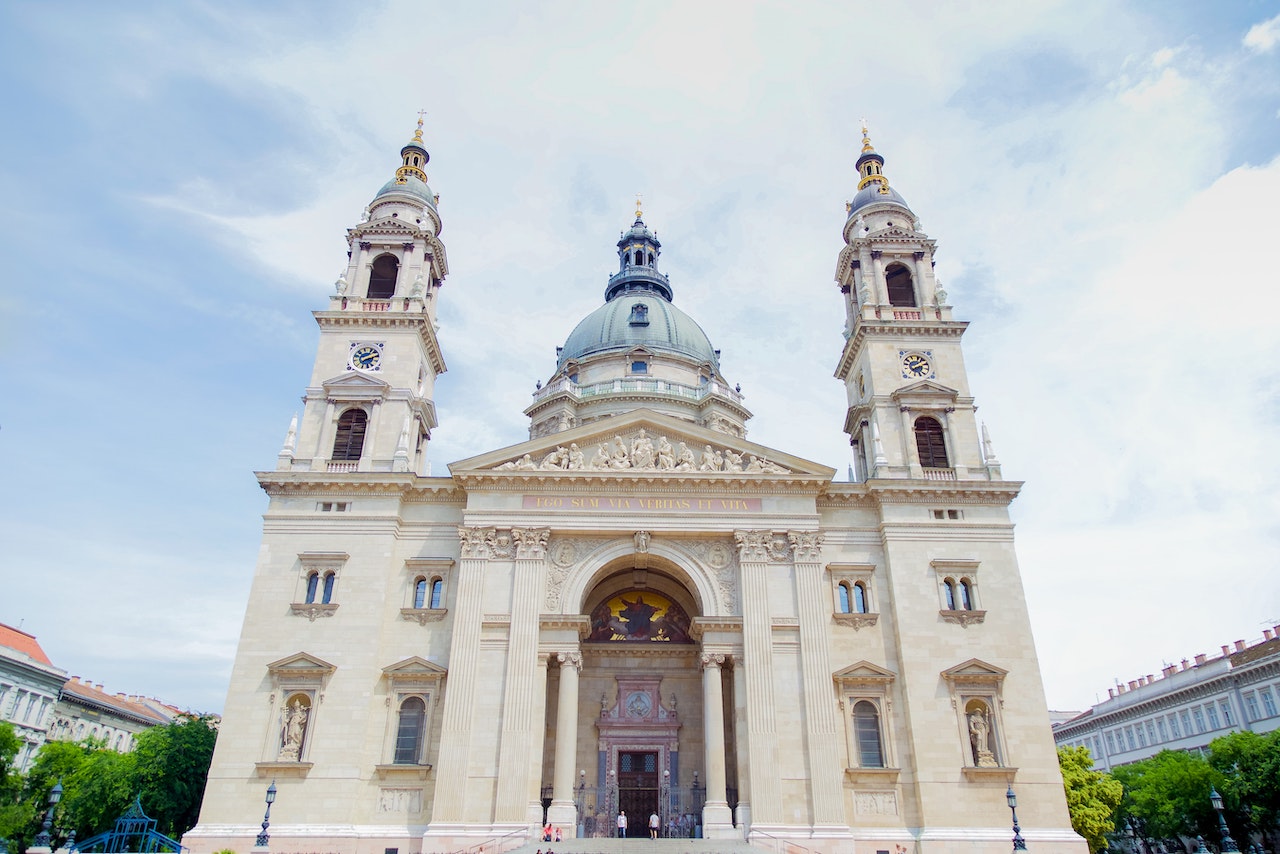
(645, 453)
(601, 458)
(642, 452)
(666, 454)
(619, 459)
(685, 460)
(577, 460)
(732, 460)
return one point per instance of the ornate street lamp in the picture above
(664, 805)
(264, 839)
(1228, 844)
(42, 838)
(1019, 844)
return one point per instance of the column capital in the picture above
(476, 542)
(806, 546)
(570, 659)
(531, 543)
(752, 545)
(714, 659)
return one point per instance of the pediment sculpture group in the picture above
(645, 455)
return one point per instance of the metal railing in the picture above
(498, 844)
(776, 843)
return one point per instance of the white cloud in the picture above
(1262, 37)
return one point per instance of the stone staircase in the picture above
(640, 846)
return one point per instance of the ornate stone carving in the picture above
(752, 545)
(400, 800)
(422, 616)
(475, 542)
(805, 545)
(564, 553)
(312, 611)
(713, 659)
(570, 659)
(531, 543)
(643, 453)
(963, 618)
(876, 803)
(642, 542)
(858, 621)
(980, 739)
(293, 730)
(501, 545)
(718, 555)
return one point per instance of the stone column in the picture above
(563, 811)
(522, 661)
(757, 635)
(459, 698)
(320, 460)
(924, 283)
(359, 286)
(371, 435)
(537, 741)
(826, 776)
(717, 821)
(879, 284)
(910, 453)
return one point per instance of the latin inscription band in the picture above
(640, 504)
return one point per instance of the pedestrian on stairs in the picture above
(654, 824)
(622, 824)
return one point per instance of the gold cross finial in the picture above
(638, 210)
(417, 134)
(866, 138)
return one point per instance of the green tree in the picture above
(14, 814)
(97, 792)
(1092, 796)
(1249, 764)
(172, 766)
(1170, 793)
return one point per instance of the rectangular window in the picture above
(1198, 714)
(1128, 736)
(1226, 712)
(1111, 744)
(1164, 736)
(1268, 703)
(1151, 733)
(1173, 726)
(1251, 707)
(1097, 747)
(1185, 717)
(1142, 738)
(1213, 716)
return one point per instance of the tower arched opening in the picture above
(897, 280)
(382, 278)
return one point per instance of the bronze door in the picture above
(638, 789)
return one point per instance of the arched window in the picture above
(410, 732)
(842, 591)
(437, 592)
(349, 441)
(866, 725)
(313, 587)
(639, 258)
(329, 578)
(420, 593)
(949, 590)
(382, 279)
(930, 443)
(898, 280)
(859, 598)
(966, 595)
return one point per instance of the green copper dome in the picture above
(638, 319)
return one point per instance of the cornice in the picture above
(410, 487)
(907, 491)
(864, 329)
(651, 481)
(418, 321)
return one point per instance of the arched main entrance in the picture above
(640, 739)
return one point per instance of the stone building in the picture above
(85, 710)
(638, 608)
(29, 686)
(1187, 706)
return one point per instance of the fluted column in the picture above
(562, 811)
(522, 661)
(826, 776)
(717, 821)
(757, 636)
(459, 704)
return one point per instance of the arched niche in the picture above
(671, 572)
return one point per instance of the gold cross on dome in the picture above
(638, 211)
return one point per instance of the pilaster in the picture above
(757, 635)
(717, 820)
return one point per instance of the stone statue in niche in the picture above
(980, 738)
(293, 731)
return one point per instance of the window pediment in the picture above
(975, 672)
(925, 393)
(356, 386)
(863, 673)
(301, 664)
(414, 670)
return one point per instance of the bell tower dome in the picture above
(369, 405)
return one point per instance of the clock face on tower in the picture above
(916, 366)
(366, 357)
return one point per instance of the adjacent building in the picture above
(1189, 705)
(637, 609)
(29, 688)
(85, 710)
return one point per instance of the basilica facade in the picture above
(638, 610)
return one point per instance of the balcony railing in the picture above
(939, 474)
(343, 466)
(377, 305)
(663, 388)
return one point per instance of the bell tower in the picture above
(910, 414)
(369, 407)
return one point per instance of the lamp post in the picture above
(582, 802)
(264, 839)
(664, 806)
(42, 838)
(1228, 844)
(1019, 844)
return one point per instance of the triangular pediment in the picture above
(863, 671)
(925, 388)
(301, 664)
(642, 443)
(355, 385)
(385, 225)
(414, 667)
(975, 669)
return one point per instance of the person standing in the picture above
(622, 824)
(654, 824)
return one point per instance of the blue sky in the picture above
(1102, 179)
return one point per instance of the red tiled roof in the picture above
(24, 643)
(89, 693)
